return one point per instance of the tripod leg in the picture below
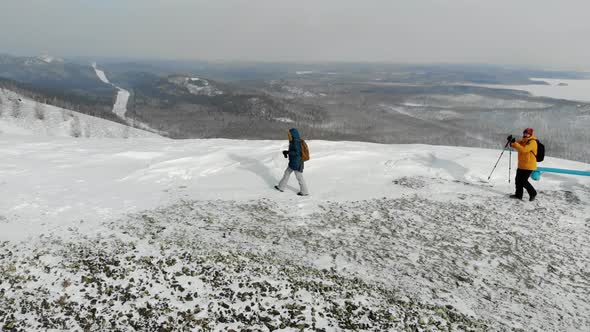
(510, 166)
(501, 154)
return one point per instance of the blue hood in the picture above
(294, 133)
(295, 161)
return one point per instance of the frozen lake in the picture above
(578, 90)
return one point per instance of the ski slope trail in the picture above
(155, 233)
(120, 106)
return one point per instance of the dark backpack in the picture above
(540, 151)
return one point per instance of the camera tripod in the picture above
(509, 163)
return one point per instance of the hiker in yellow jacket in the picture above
(527, 163)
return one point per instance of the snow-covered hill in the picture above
(155, 233)
(22, 116)
(196, 86)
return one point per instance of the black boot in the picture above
(515, 197)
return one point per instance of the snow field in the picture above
(155, 233)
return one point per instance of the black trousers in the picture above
(522, 181)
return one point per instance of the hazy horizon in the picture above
(548, 35)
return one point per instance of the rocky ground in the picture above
(415, 263)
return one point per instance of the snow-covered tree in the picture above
(39, 111)
(87, 130)
(16, 111)
(75, 127)
(126, 131)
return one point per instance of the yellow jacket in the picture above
(527, 150)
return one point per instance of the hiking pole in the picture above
(501, 154)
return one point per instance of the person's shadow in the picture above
(259, 168)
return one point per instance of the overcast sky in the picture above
(549, 33)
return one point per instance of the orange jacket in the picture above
(527, 150)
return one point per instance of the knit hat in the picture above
(528, 131)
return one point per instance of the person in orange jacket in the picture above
(527, 163)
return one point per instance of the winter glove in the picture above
(285, 153)
(513, 140)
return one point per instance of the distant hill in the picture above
(52, 74)
(192, 107)
(59, 82)
(22, 116)
(384, 103)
